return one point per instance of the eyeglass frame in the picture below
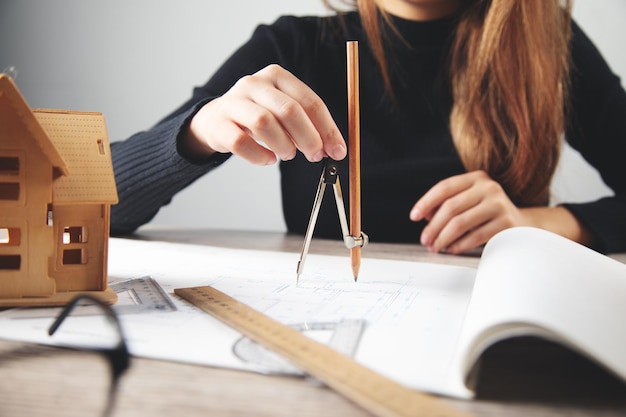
(118, 357)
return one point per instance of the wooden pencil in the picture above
(354, 151)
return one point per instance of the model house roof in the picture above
(13, 105)
(81, 140)
(75, 143)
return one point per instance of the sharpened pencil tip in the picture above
(355, 271)
(298, 271)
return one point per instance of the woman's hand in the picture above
(466, 210)
(266, 115)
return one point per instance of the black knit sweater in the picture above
(406, 146)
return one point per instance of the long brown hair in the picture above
(509, 72)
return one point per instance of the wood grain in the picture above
(354, 151)
(370, 390)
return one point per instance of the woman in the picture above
(463, 104)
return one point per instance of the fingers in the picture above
(474, 237)
(463, 212)
(456, 233)
(430, 202)
(245, 127)
(452, 220)
(267, 115)
(288, 115)
(219, 126)
(315, 131)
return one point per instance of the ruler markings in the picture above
(369, 389)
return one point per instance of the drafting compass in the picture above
(353, 238)
(330, 176)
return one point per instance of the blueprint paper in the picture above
(414, 310)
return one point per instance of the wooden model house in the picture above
(56, 190)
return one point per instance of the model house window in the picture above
(9, 188)
(100, 144)
(9, 165)
(74, 236)
(49, 215)
(10, 262)
(10, 236)
(74, 257)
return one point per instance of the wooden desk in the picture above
(553, 383)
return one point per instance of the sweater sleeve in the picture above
(148, 168)
(597, 129)
(149, 171)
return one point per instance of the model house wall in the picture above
(56, 188)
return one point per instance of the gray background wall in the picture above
(136, 60)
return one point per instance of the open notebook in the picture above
(427, 324)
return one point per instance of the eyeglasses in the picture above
(41, 380)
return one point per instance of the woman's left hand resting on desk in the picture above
(465, 211)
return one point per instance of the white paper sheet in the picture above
(414, 310)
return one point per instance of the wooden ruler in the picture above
(374, 392)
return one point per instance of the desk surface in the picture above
(548, 382)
